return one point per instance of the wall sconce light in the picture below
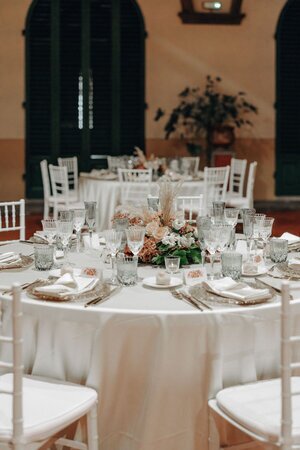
(225, 12)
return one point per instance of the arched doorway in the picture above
(85, 91)
(288, 100)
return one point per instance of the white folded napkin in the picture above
(291, 238)
(87, 241)
(9, 258)
(68, 284)
(227, 287)
(294, 264)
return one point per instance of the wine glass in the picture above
(90, 217)
(202, 223)
(113, 240)
(49, 228)
(212, 240)
(265, 231)
(135, 239)
(78, 222)
(64, 231)
(248, 226)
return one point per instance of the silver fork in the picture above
(182, 296)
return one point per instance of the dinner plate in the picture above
(24, 262)
(151, 282)
(82, 297)
(261, 271)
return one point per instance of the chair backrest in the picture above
(237, 176)
(250, 183)
(16, 366)
(190, 164)
(288, 366)
(12, 218)
(72, 169)
(190, 206)
(59, 182)
(135, 185)
(45, 178)
(116, 162)
(215, 184)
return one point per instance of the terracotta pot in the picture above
(222, 136)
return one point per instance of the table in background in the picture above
(153, 359)
(107, 194)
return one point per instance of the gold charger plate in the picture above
(199, 292)
(25, 262)
(94, 293)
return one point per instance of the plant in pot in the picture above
(207, 117)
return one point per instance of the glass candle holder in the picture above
(232, 265)
(172, 264)
(43, 256)
(278, 250)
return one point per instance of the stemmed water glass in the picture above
(211, 239)
(248, 227)
(90, 217)
(113, 240)
(135, 239)
(78, 222)
(265, 231)
(202, 224)
(64, 231)
(49, 228)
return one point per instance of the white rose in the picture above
(186, 241)
(177, 224)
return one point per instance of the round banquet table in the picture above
(107, 194)
(154, 360)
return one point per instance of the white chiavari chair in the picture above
(12, 218)
(48, 198)
(72, 169)
(60, 190)
(190, 206)
(215, 185)
(37, 410)
(268, 411)
(236, 178)
(247, 201)
(135, 185)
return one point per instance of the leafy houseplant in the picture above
(207, 115)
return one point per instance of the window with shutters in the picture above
(84, 82)
(288, 100)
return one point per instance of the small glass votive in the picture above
(43, 256)
(232, 265)
(172, 264)
(127, 270)
(278, 249)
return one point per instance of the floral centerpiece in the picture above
(166, 235)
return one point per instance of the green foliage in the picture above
(191, 255)
(199, 112)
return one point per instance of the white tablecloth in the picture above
(107, 194)
(153, 359)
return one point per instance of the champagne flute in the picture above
(78, 222)
(248, 227)
(49, 228)
(265, 232)
(212, 238)
(113, 240)
(90, 217)
(202, 223)
(231, 217)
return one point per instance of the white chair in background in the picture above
(268, 411)
(72, 169)
(135, 185)
(12, 218)
(246, 202)
(190, 206)
(48, 198)
(236, 178)
(116, 162)
(34, 410)
(190, 165)
(60, 190)
(215, 185)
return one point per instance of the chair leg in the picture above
(92, 428)
(46, 209)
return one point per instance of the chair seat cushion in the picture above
(48, 406)
(257, 407)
